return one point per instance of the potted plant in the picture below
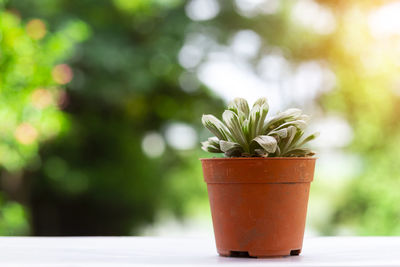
(259, 192)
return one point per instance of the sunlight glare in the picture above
(385, 21)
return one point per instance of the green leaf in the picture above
(206, 146)
(231, 149)
(228, 146)
(216, 127)
(293, 113)
(278, 151)
(305, 118)
(300, 152)
(245, 129)
(292, 131)
(282, 133)
(299, 124)
(308, 139)
(240, 107)
(268, 143)
(257, 117)
(233, 124)
(282, 117)
(213, 141)
(262, 101)
(297, 137)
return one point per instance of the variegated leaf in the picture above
(240, 107)
(282, 133)
(296, 139)
(282, 117)
(305, 118)
(226, 146)
(231, 149)
(292, 131)
(213, 141)
(261, 102)
(216, 127)
(300, 152)
(268, 143)
(233, 124)
(206, 146)
(257, 117)
(299, 124)
(308, 139)
(278, 151)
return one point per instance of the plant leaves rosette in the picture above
(249, 133)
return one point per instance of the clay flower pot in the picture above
(258, 205)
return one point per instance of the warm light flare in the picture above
(62, 74)
(385, 21)
(25, 133)
(36, 29)
(41, 98)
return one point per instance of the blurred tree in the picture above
(31, 85)
(94, 178)
(366, 67)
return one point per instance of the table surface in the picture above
(159, 251)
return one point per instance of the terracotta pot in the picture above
(258, 205)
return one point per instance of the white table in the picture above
(157, 251)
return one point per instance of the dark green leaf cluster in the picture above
(248, 133)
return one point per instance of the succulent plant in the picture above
(249, 133)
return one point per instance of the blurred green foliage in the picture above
(83, 82)
(93, 178)
(30, 91)
(367, 95)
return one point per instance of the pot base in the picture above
(259, 253)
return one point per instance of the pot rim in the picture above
(258, 158)
(258, 170)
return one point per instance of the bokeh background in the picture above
(101, 100)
